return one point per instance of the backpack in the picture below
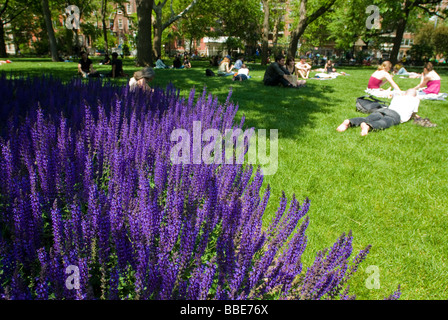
(209, 73)
(369, 104)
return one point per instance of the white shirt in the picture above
(132, 84)
(405, 106)
(244, 71)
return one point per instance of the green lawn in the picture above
(390, 188)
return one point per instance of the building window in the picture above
(120, 23)
(128, 8)
(119, 11)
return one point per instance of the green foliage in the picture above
(111, 42)
(440, 40)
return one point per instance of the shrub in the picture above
(87, 183)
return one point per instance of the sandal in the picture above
(424, 123)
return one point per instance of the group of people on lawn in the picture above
(404, 104)
(288, 73)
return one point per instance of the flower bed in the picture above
(91, 206)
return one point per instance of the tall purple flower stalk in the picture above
(87, 181)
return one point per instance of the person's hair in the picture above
(243, 65)
(279, 57)
(411, 92)
(225, 60)
(428, 66)
(147, 73)
(114, 54)
(386, 64)
(398, 66)
(289, 59)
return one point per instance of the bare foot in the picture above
(364, 129)
(344, 125)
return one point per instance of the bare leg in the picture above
(344, 125)
(364, 129)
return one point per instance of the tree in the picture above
(160, 25)
(399, 14)
(144, 40)
(50, 31)
(440, 40)
(9, 11)
(305, 18)
(265, 32)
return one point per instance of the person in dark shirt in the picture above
(276, 73)
(177, 64)
(85, 67)
(117, 66)
(106, 60)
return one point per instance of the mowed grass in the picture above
(389, 188)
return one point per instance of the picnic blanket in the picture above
(433, 96)
(381, 93)
(389, 93)
(328, 76)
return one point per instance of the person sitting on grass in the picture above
(106, 60)
(382, 76)
(303, 68)
(85, 66)
(402, 108)
(329, 67)
(177, 64)
(187, 63)
(430, 79)
(117, 67)
(276, 74)
(290, 66)
(239, 63)
(225, 69)
(160, 64)
(141, 78)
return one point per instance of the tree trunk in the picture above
(265, 37)
(159, 25)
(144, 41)
(3, 53)
(298, 32)
(103, 20)
(401, 28)
(158, 29)
(304, 22)
(52, 39)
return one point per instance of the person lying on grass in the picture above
(402, 108)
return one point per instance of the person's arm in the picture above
(423, 83)
(392, 82)
(79, 68)
(91, 70)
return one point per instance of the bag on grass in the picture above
(209, 73)
(369, 104)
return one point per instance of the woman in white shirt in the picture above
(225, 69)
